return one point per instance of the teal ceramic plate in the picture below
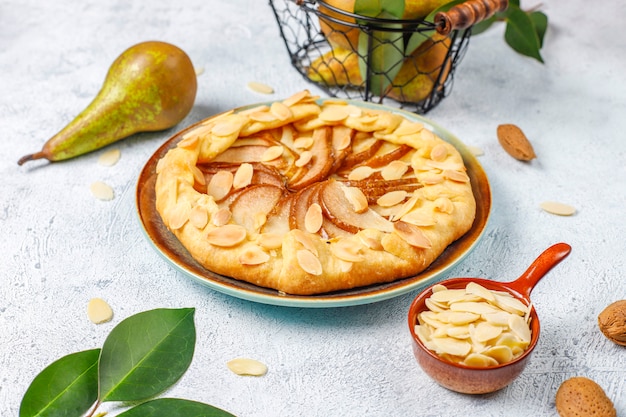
(168, 246)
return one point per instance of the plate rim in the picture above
(326, 300)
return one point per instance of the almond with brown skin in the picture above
(612, 322)
(515, 142)
(581, 397)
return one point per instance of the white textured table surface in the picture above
(60, 246)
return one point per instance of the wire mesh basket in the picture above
(410, 62)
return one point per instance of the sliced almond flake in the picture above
(499, 318)
(260, 108)
(247, 367)
(226, 236)
(512, 341)
(392, 198)
(225, 128)
(432, 306)
(272, 153)
(313, 218)
(510, 304)
(199, 71)
(253, 255)
(198, 176)
(243, 176)
(478, 307)
(461, 317)
(109, 158)
(479, 360)
(502, 354)
(270, 240)
(357, 199)
(220, 185)
(438, 288)
(394, 170)
(305, 158)
(258, 220)
(479, 290)
(452, 346)
(99, 311)
(281, 111)
(286, 135)
(303, 142)
(411, 234)
(309, 262)
(361, 173)
(334, 113)
(444, 205)
(432, 319)
(189, 142)
(419, 218)
(305, 240)
(439, 152)
(520, 328)
(221, 217)
(557, 208)
(199, 217)
(348, 250)
(406, 208)
(370, 242)
(457, 176)
(179, 215)
(341, 141)
(408, 128)
(258, 87)
(486, 331)
(368, 119)
(102, 191)
(296, 98)
(263, 116)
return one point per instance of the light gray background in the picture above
(60, 246)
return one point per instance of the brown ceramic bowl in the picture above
(482, 380)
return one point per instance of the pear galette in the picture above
(308, 197)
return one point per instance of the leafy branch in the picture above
(142, 356)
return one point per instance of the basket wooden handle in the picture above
(467, 14)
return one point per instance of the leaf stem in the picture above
(95, 407)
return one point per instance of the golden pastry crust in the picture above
(308, 198)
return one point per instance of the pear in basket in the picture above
(414, 82)
(347, 36)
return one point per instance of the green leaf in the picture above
(540, 21)
(174, 407)
(521, 35)
(481, 27)
(66, 388)
(146, 353)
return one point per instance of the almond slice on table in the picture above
(247, 367)
(557, 208)
(261, 88)
(99, 311)
(109, 158)
(102, 191)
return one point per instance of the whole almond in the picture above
(515, 142)
(612, 322)
(580, 397)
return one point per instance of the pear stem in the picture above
(30, 157)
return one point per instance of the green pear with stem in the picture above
(151, 86)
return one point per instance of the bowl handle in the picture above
(540, 267)
(467, 14)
